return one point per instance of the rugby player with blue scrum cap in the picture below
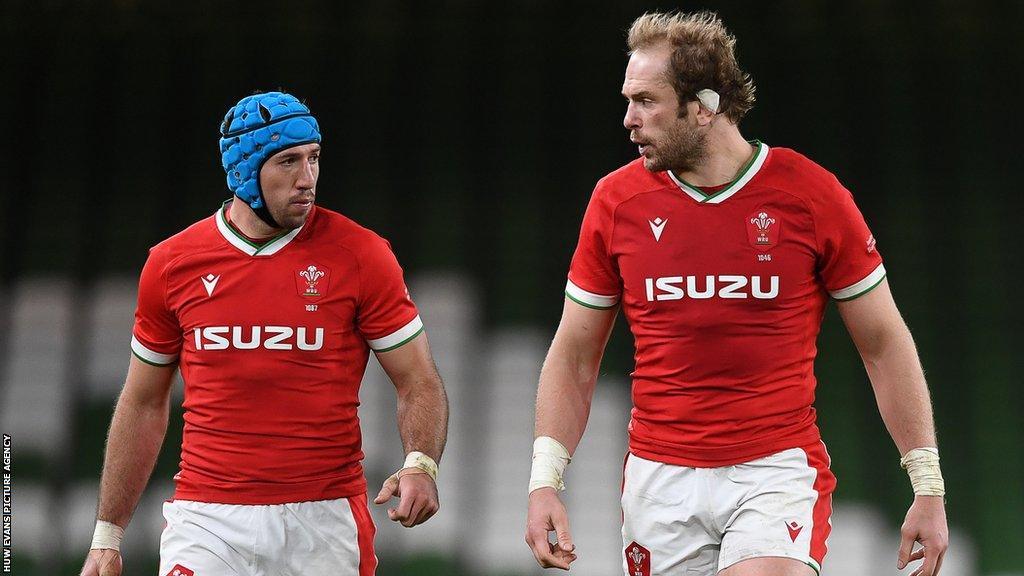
(270, 308)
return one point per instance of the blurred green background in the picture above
(470, 135)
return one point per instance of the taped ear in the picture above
(709, 99)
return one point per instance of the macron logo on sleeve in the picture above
(210, 282)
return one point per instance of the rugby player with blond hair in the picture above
(722, 253)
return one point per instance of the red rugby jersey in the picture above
(272, 342)
(724, 295)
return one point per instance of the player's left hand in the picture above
(417, 494)
(925, 523)
(102, 562)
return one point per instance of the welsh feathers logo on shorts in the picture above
(180, 570)
(638, 560)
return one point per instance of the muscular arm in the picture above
(564, 395)
(422, 425)
(136, 433)
(570, 371)
(891, 361)
(890, 357)
(422, 403)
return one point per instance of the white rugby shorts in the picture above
(321, 538)
(681, 521)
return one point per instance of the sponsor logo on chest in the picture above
(725, 286)
(258, 337)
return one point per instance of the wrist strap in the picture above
(421, 461)
(107, 536)
(550, 459)
(922, 464)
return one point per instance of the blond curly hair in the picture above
(703, 56)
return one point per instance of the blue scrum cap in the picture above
(255, 129)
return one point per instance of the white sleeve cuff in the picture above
(589, 299)
(864, 286)
(398, 337)
(150, 357)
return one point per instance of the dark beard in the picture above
(682, 151)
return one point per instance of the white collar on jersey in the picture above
(235, 238)
(745, 175)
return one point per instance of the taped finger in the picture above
(387, 490)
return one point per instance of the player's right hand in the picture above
(547, 514)
(417, 493)
(102, 562)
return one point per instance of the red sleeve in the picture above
(387, 317)
(594, 279)
(848, 262)
(156, 338)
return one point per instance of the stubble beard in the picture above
(682, 151)
(289, 222)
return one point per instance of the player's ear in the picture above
(705, 107)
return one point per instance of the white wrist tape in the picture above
(421, 461)
(107, 535)
(922, 464)
(549, 461)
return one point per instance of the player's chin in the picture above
(653, 164)
(292, 219)
(299, 211)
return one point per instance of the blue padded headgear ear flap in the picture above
(255, 129)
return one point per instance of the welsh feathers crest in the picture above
(763, 229)
(313, 281)
(638, 560)
(311, 275)
(763, 222)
